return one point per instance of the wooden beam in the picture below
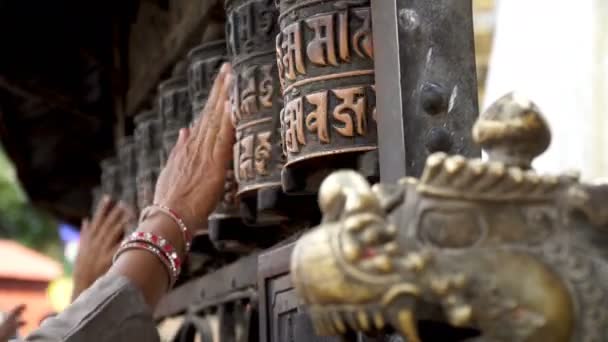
(185, 31)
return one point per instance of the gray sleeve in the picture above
(112, 309)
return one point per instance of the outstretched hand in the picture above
(193, 179)
(12, 322)
(99, 240)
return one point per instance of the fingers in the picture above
(212, 100)
(182, 138)
(103, 208)
(84, 226)
(222, 151)
(113, 221)
(16, 312)
(217, 117)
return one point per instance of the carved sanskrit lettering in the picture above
(343, 36)
(245, 27)
(362, 38)
(294, 125)
(293, 59)
(263, 153)
(280, 66)
(322, 48)
(252, 155)
(266, 87)
(353, 102)
(310, 115)
(249, 100)
(316, 121)
(245, 163)
(235, 102)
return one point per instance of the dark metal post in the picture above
(425, 82)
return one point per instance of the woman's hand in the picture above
(12, 322)
(99, 240)
(193, 179)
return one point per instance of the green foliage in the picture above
(19, 220)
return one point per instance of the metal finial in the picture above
(513, 131)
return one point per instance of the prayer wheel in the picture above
(147, 146)
(256, 104)
(96, 194)
(128, 172)
(174, 107)
(204, 63)
(110, 178)
(326, 67)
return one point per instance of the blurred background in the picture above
(62, 75)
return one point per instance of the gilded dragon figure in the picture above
(488, 245)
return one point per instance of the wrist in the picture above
(162, 225)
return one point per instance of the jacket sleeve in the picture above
(112, 309)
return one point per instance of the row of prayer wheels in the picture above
(303, 105)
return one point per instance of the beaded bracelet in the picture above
(151, 249)
(174, 216)
(158, 246)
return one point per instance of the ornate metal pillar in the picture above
(425, 71)
(325, 57)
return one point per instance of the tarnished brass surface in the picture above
(325, 59)
(491, 245)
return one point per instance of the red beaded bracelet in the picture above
(175, 217)
(158, 246)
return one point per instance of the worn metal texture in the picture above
(204, 62)
(147, 145)
(326, 64)
(491, 249)
(256, 103)
(425, 71)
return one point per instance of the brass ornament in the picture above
(492, 246)
(326, 67)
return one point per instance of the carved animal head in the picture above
(488, 245)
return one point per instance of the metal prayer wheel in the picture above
(128, 171)
(96, 194)
(174, 107)
(256, 104)
(110, 178)
(326, 67)
(147, 146)
(204, 63)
